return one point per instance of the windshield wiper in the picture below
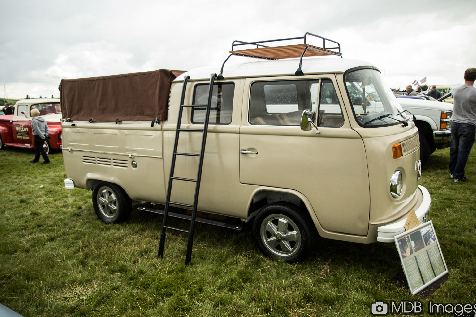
(404, 123)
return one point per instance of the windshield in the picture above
(374, 104)
(47, 108)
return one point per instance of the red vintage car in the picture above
(15, 130)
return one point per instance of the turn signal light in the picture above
(443, 126)
(397, 150)
(444, 115)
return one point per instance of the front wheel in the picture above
(111, 203)
(1, 143)
(283, 231)
(425, 149)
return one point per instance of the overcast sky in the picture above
(44, 41)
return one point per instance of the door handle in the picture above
(248, 152)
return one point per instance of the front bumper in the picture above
(388, 232)
(442, 139)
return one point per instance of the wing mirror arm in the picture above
(306, 121)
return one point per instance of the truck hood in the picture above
(52, 117)
(408, 104)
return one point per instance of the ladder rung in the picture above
(177, 229)
(180, 204)
(191, 130)
(202, 107)
(184, 179)
(187, 154)
(194, 106)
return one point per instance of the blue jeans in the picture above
(462, 139)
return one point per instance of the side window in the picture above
(222, 103)
(21, 109)
(280, 102)
(330, 112)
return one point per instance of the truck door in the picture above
(22, 133)
(328, 168)
(220, 191)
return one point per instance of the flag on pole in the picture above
(415, 82)
(423, 80)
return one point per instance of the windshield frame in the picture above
(385, 95)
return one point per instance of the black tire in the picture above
(283, 231)
(111, 203)
(1, 143)
(425, 149)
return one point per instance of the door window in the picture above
(282, 102)
(330, 112)
(221, 103)
(24, 109)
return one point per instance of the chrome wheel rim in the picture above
(107, 202)
(280, 235)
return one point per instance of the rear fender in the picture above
(6, 133)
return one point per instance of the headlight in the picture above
(396, 184)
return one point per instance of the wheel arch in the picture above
(264, 196)
(425, 128)
(92, 182)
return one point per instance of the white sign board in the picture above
(421, 256)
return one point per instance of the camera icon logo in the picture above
(379, 308)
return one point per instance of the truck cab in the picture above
(15, 130)
(325, 149)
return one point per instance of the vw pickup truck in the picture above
(15, 129)
(300, 146)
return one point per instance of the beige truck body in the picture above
(340, 177)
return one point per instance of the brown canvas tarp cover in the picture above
(129, 97)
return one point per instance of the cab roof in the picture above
(36, 101)
(284, 67)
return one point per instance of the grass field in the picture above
(58, 259)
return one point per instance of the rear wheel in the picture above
(111, 203)
(283, 231)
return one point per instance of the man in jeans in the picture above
(463, 125)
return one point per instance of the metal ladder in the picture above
(199, 173)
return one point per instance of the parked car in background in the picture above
(432, 119)
(445, 90)
(15, 129)
(419, 97)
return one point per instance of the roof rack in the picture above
(263, 51)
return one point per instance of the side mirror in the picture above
(23, 113)
(306, 121)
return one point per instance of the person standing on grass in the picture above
(463, 125)
(40, 133)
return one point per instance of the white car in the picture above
(433, 122)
